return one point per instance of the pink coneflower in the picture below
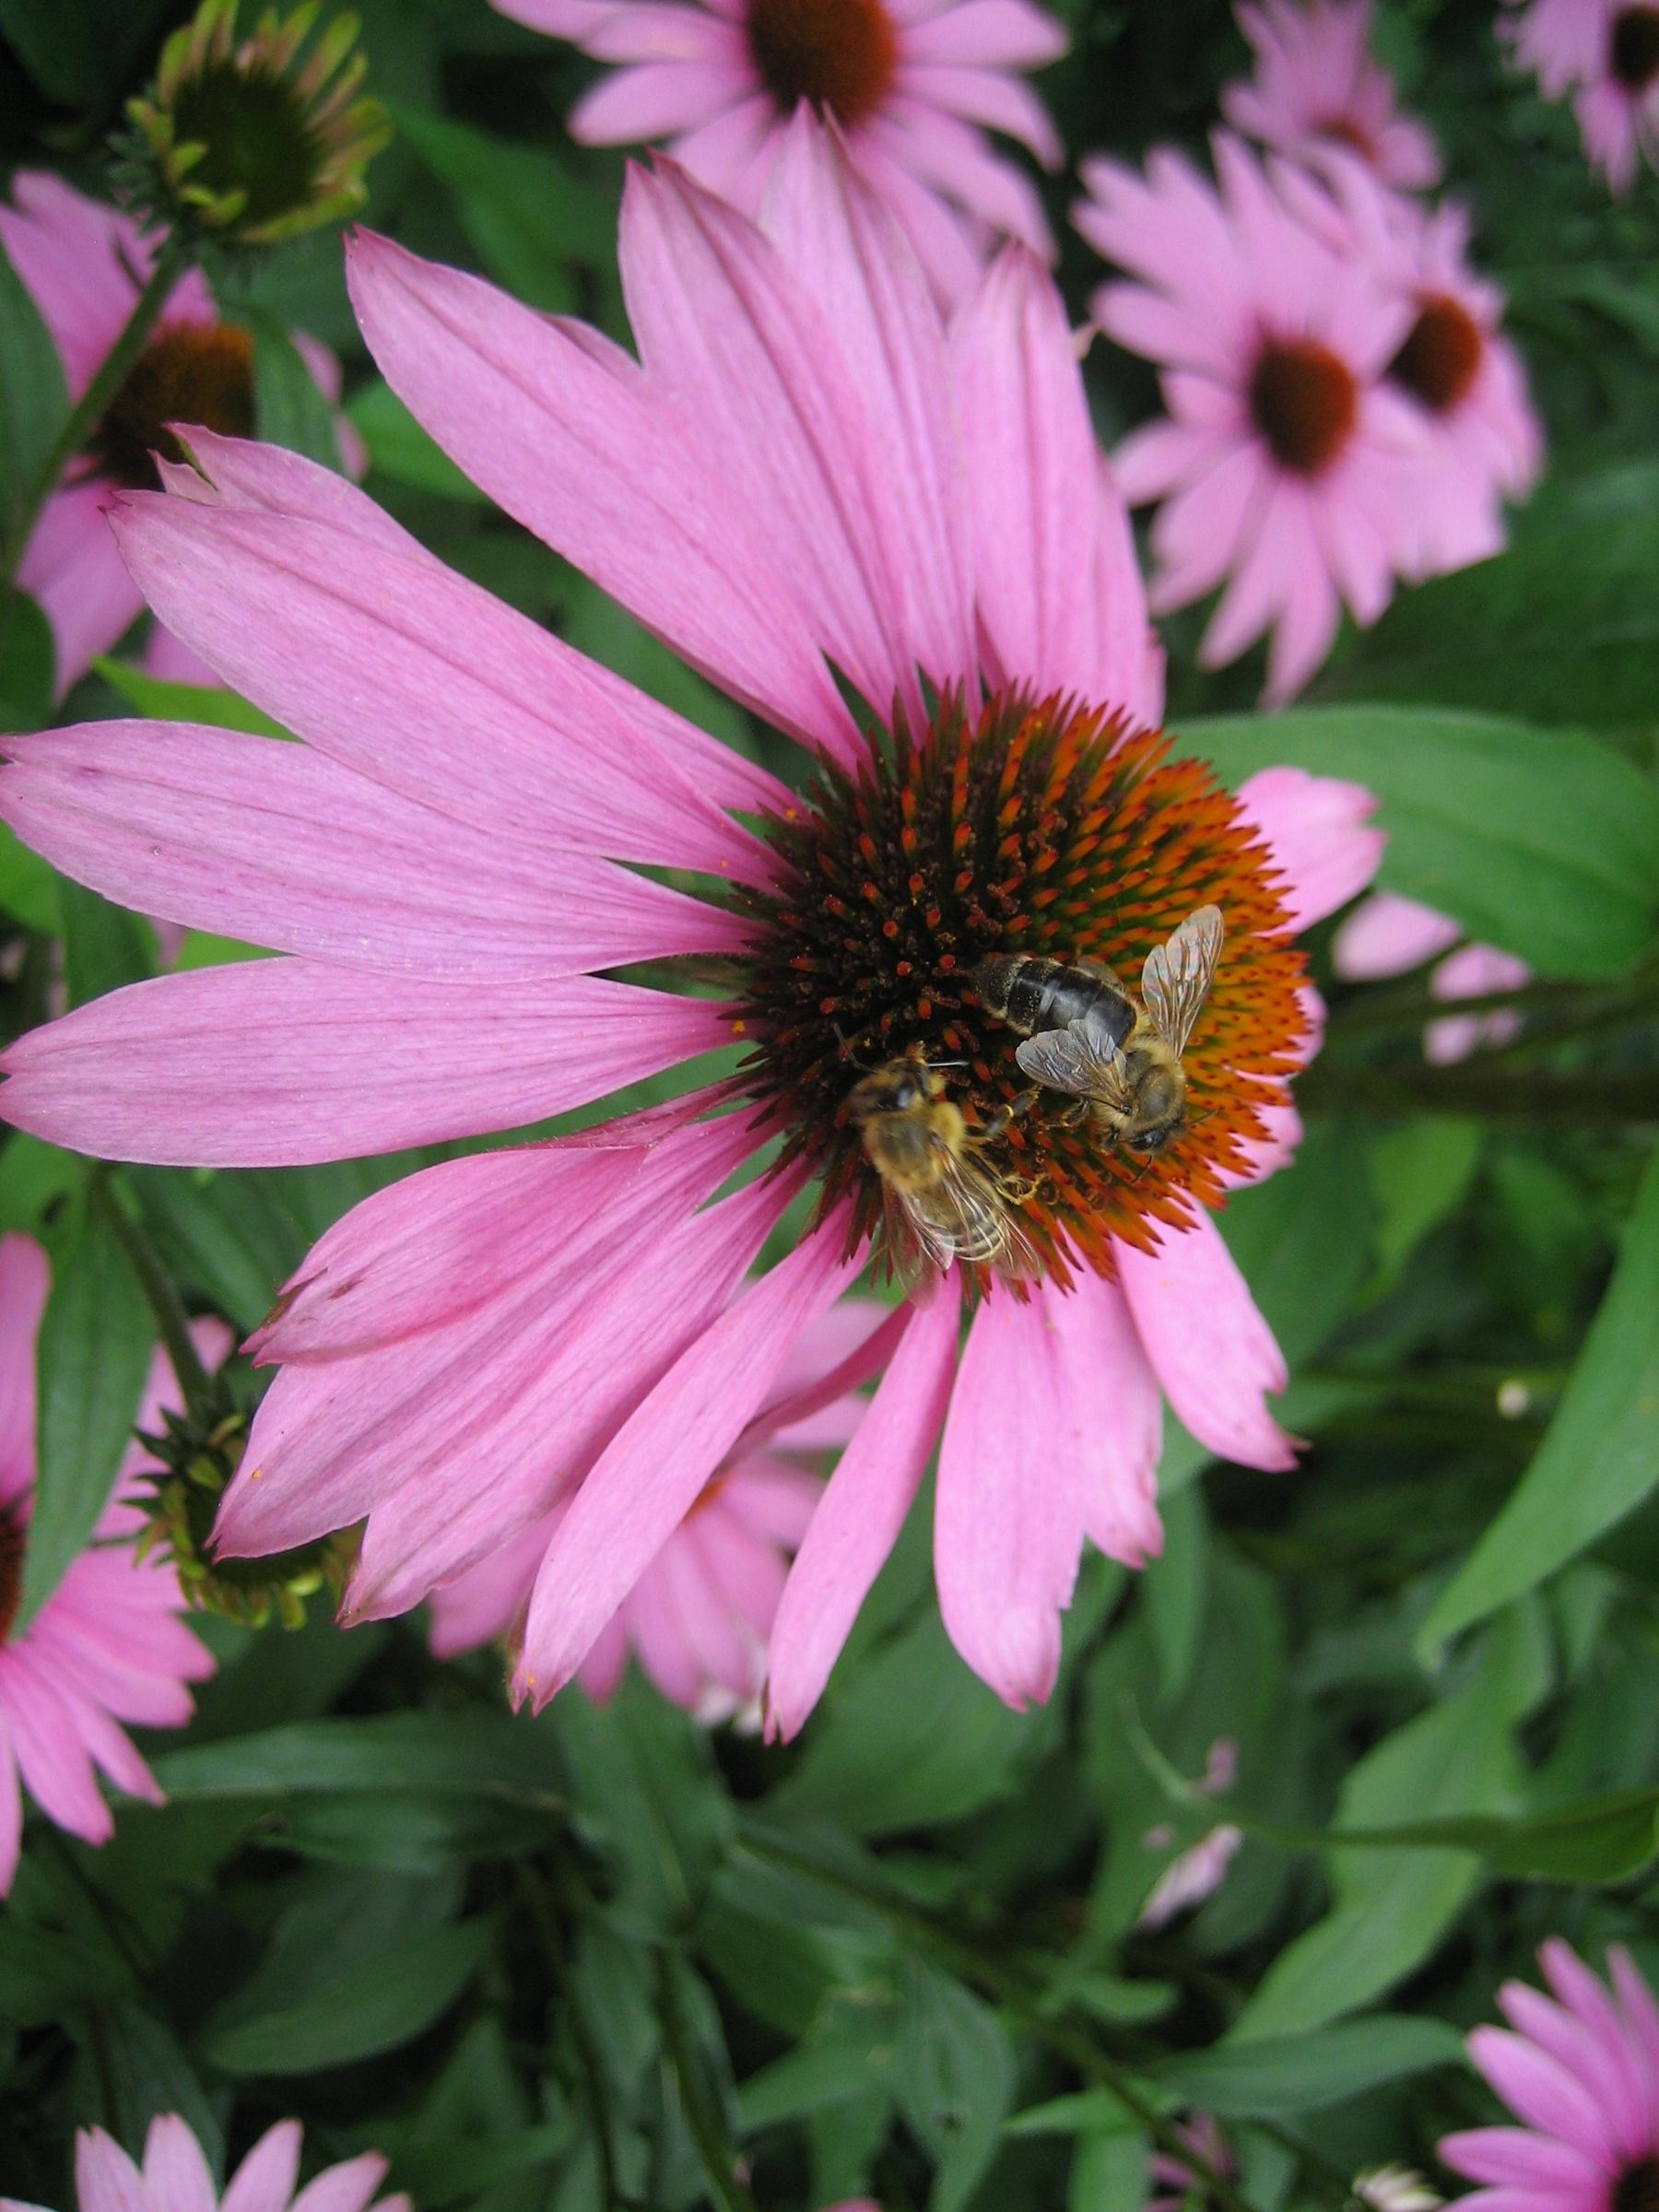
(106, 1645)
(699, 1617)
(1175, 2183)
(1606, 56)
(911, 84)
(1482, 443)
(175, 2177)
(1316, 87)
(1284, 464)
(1198, 1873)
(1386, 934)
(1581, 2072)
(83, 264)
(800, 471)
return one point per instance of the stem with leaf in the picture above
(172, 1324)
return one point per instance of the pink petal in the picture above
(11, 1810)
(76, 259)
(264, 2180)
(52, 1758)
(1540, 2090)
(645, 1482)
(651, 100)
(844, 243)
(577, 444)
(430, 685)
(74, 568)
(1209, 1346)
(1316, 827)
(859, 1517)
(328, 1063)
(174, 2170)
(1387, 935)
(1517, 2158)
(105, 2179)
(344, 2188)
(279, 844)
(988, 34)
(1006, 1524)
(1106, 1416)
(25, 1279)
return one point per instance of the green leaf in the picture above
(1302, 1238)
(1597, 1839)
(527, 216)
(370, 2008)
(91, 1358)
(914, 1737)
(28, 886)
(79, 51)
(400, 449)
(27, 662)
(32, 1176)
(289, 408)
(1543, 841)
(34, 403)
(105, 948)
(953, 2076)
(1564, 628)
(1390, 1908)
(1278, 2074)
(485, 1753)
(163, 702)
(1420, 1172)
(1600, 1456)
(813, 2077)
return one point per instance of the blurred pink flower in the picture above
(1177, 2185)
(83, 264)
(913, 85)
(1316, 87)
(1581, 2071)
(801, 472)
(175, 2176)
(1197, 1874)
(105, 1647)
(1386, 934)
(1483, 442)
(698, 1617)
(1606, 56)
(1285, 462)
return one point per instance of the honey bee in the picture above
(1086, 1034)
(941, 1202)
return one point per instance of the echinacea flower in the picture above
(83, 264)
(175, 2176)
(800, 474)
(1580, 2070)
(699, 1617)
(1199, 1871)
(1606, 56)
(1283, 465)
(106, 1646)
(912, 85)
(1482, 442)
(1176, 2183)
(255, 140)
(1317, 88)
(1386, 934)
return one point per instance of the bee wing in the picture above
(983, 1228)
(1176, 978)
(1083, 1059)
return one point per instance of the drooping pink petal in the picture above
(105, 2179)
(1106, 1417)
(11, 1810)
(1319, 831)
(1540, 2089)
(1387, 935)
(859, 1517)
(25, 1280)
(74, 568)
(326, 1062)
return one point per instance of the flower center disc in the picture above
(1441, 357)
(258, 138)
(200, 372)
(14, 1542)
(1637, 2188)
(1634, 56)
(840, 54)
(1305, 402)
(1033, 826)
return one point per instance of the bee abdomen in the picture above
(1032, 995)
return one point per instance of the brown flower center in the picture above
(1441, 356)
(1633, 51)
(199, 372)
(14, 1542)
(1347, 132)
(1305, 402)
(840, 54)
(1637, 2188)
(1029, 827)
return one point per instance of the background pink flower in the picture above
(1316, 87)
(1283, 465)
(1580, 2069)
(83, 264)
(803, 469)
(1606, 55)
(175, 2177)
(106, 1646)
(1386, 934)
(913, 85)
(699, 1617)
(1175, 2183)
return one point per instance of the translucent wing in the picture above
(983, 1227)
(1176, 978)
(917, 1251)
(1082, 1059)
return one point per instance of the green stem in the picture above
(1488, 1093)
(173, 258)
(718, 2160)
(973, 1963)
(172, 1324)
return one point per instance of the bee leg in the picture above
(998, 1125)
(1074, 1115)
